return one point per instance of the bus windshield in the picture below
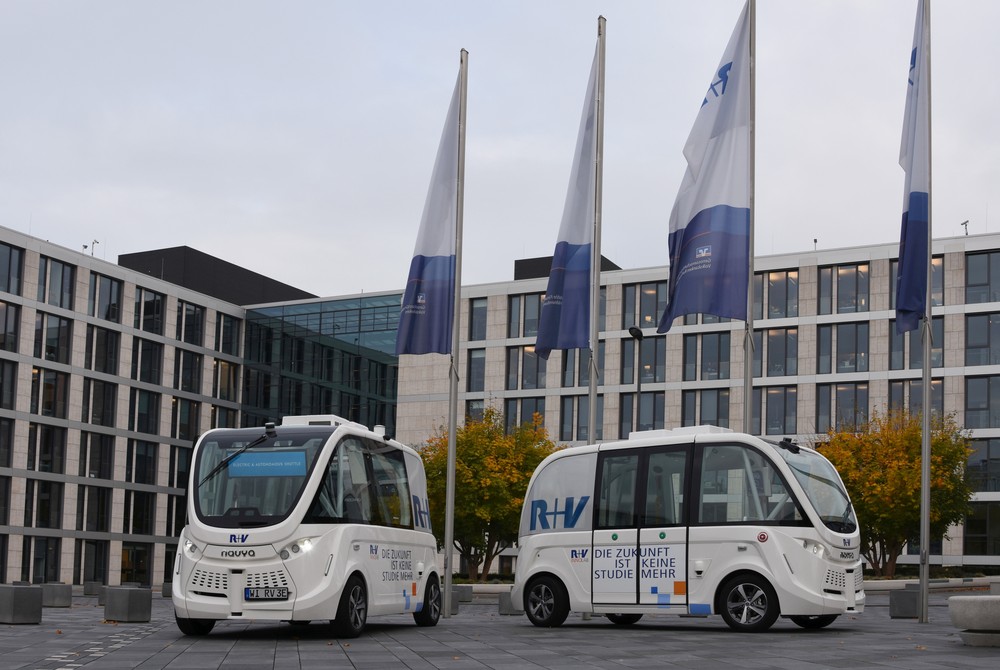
(822, 486)
(247, 479)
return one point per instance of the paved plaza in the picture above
(479, 637)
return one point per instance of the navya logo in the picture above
(239, 539)
(578, 555)
(238, 553)
(373, 551)
(542, 518)
(421, 513)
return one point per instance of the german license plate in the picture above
(261, 593)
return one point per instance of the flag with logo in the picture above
(427, 313)
(710, 222)
(564, 322)
(914, 157)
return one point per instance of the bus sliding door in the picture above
(640, 555)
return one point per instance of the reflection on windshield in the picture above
(822, 486)
(256, 487)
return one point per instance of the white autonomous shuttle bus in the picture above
(318, 518)
(690, 521)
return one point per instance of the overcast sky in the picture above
(296, 138)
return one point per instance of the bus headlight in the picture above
(303, 546)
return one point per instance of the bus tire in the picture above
(430, 612)
(623, 619)
(195, 627)
(814, 622)
(748, 603)
(546, 602)
(352, 613)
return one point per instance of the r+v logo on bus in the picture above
(570, 513)
(238, 539)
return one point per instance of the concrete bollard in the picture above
(462, 592)
(978, 618)
(905, 603)
(20, 604)
(167, 590)
(57, 594)
(128, 604)
(507, 606)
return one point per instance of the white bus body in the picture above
(316, 519)
(609, 529)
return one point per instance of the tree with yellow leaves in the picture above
(492, 470)
(880, 466)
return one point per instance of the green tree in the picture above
(880, 465)
(492, 470)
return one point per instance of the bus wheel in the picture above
(430, 612)
(623, 619)
(196, 627)
(814, 622)
(749, 604)
(546, 602)
(352, 613)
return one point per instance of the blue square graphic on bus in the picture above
(269, 464)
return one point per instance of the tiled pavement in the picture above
(478, 637)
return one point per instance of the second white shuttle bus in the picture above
(318, 518)
(691, 521)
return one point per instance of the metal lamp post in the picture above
(636, 334)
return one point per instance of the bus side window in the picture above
(739, 484)
(665, 489)
(616, 500)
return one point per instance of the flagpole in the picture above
(595, 261)
(925, 445)
(449, 513)
(748, 335)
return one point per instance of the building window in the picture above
(185, 419)
(824, 393)
(93, 509)
(140, 462)
(187, 371)
(6, 439)
(104, 298)
(8, 384)
(99, 402)
(715, 407)
(144, 411)
(937, 345)
(782, 352)
(514, 316)
(532, 312)
(40, 559)
(4, 501)
(91, 561)
(690, 358)
(982, 277)
(477, 319)
(782, 294)
(851, 405)
(10, 319)
(225, 383)
(982, 402)
(147, 361)
(11, 263)
(982, 529)
(652, 303)
(474, 410)
(781, 410)
(149, 310)
(824, 291)
(475, 377)
(585, 366)
(46, 448)
(49, 392)
(227, 334)
(53, 337)
(982, 339)
(97, 456)
(140, 513)
(190, 323)
(937, 281)
(852, 347)
(914, 388)
(522, 410)
(714, 356)
(101, 354)
(532, 368)
(43, 504)
(569, 368)
(628, 306)
(651, 413)
(852, 288)
(983, 473)
(55, 282)
(583, 418)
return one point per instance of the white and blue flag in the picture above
(914, 157)
(428, 309)
(710, 222)
(564, 322)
